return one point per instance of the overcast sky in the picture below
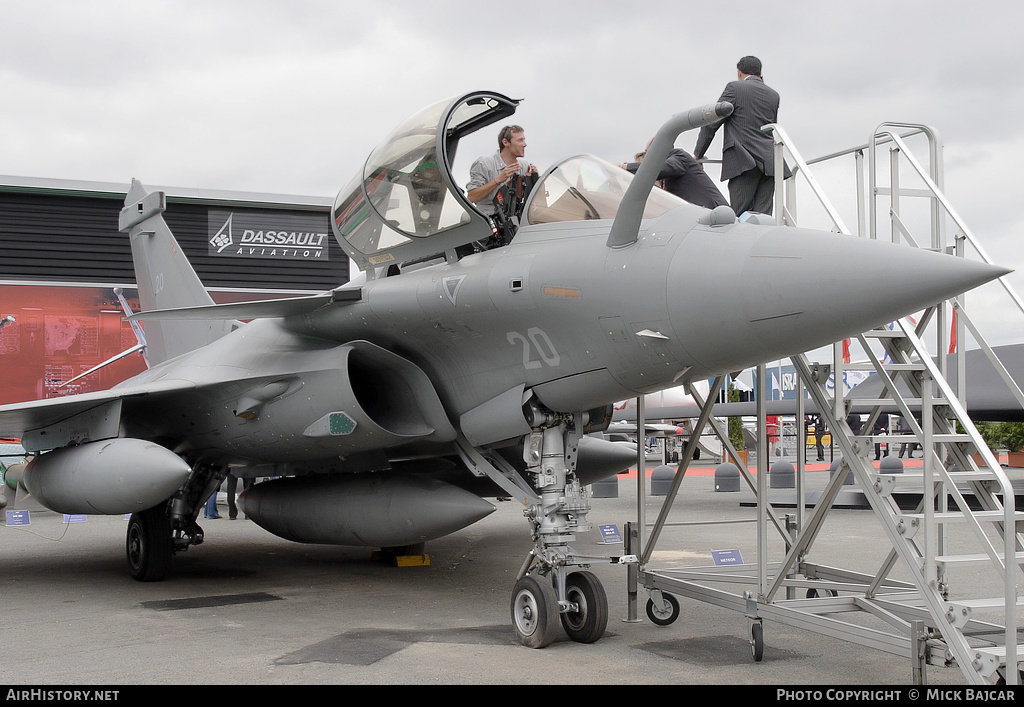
(289, 97)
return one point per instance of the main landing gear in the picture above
(148, 545)
(155, 534)
(547, 594)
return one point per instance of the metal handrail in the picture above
(782, 140)
(859, 148)
(934, 159)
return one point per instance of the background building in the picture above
(62, 256)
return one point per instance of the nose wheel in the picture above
(534, 611)
(537, 612)
(586, 622)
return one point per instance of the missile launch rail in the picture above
(966, 516)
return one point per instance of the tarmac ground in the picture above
(249, 608)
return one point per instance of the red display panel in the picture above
(60, 332)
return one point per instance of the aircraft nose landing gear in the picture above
(552, 595)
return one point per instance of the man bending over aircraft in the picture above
(683, 176)
(489, 173)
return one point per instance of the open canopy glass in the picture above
(404, 204)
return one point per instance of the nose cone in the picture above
(774, 292)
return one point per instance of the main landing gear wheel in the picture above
(148, 545)
(535, 611)
(588, 622)
(663, 617)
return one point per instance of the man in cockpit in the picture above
(488, 174)
(683, 176)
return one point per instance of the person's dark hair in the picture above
(506, 134)
(750, 65)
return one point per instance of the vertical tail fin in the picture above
(164, 277)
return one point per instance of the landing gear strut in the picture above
(546, 593)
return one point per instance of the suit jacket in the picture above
(744, 146)
(687, 180)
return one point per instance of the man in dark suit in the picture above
(748, 159)
(682, 176)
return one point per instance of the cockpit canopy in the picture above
(586, 188)
(404, 204)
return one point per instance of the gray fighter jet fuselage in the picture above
(516, 318)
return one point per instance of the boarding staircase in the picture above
(966, 516)
(954, 490)
(956, 539)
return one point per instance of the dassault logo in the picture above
(222, 239)
(292, 237)
(311, 240)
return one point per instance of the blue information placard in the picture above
(18, 518)
(75, 518)
(610, 534)
(727, 557)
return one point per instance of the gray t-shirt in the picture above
(487, 169)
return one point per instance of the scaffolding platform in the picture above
(945, 592)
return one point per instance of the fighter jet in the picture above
(470, 357)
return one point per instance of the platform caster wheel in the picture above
(663, 617)
(148, 545)
(757, 641)
(588, 622)
(535, 611)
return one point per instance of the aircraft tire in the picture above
(666, 617)
(148, 545)
(588, 623)
(534, 611)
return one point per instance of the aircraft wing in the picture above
(36, 420)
